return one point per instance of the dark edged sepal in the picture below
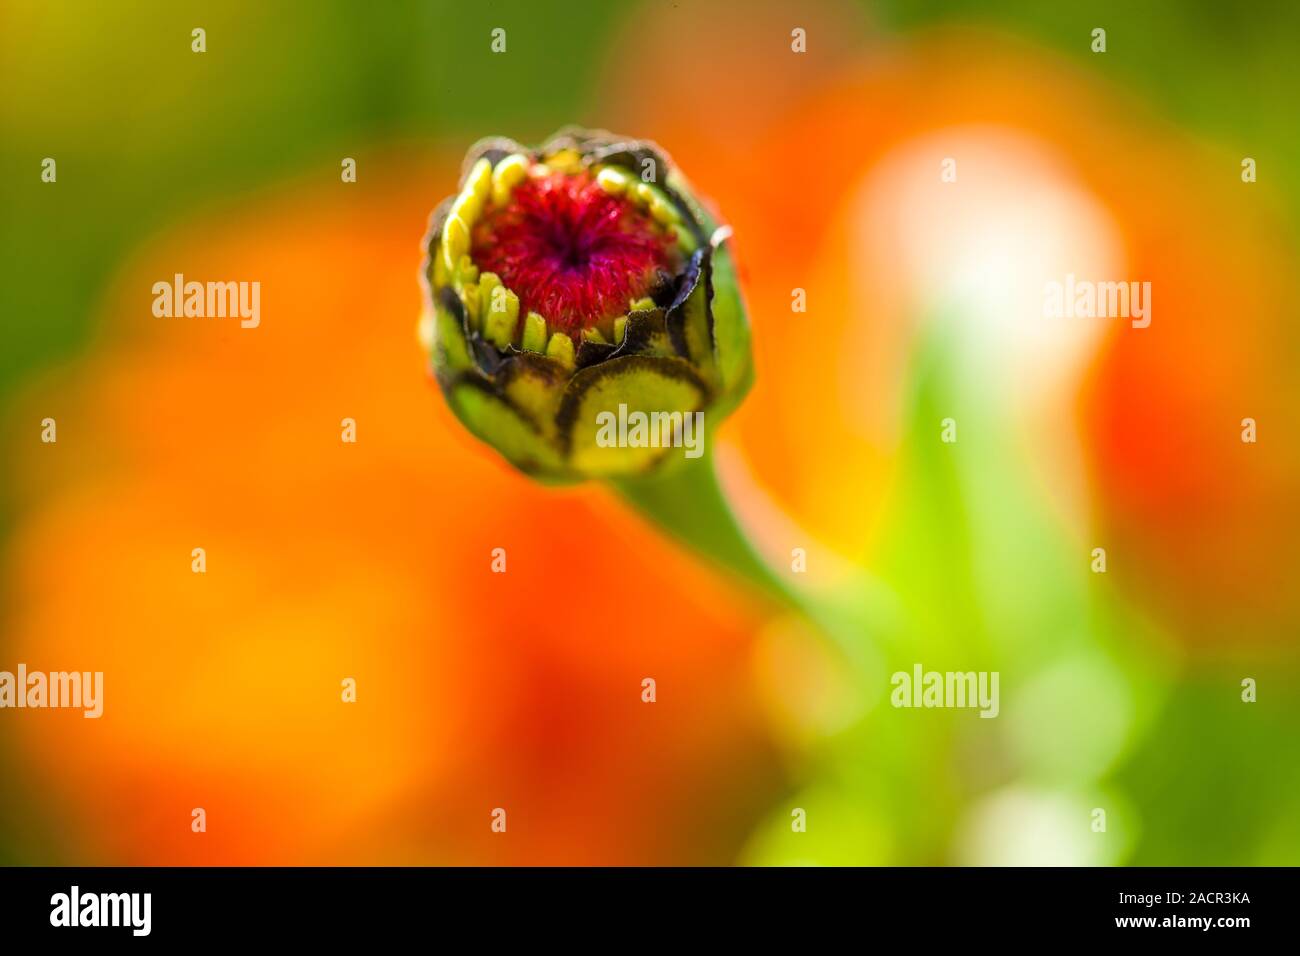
(621, 389)
(690, 320)
(504, 425)
(730, 327)
(647, 334)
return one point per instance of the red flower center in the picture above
(571, 251)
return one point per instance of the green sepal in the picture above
(642, 383)
(534, 384)
(503, 425)
(730, 327)
(451, 349)
(689, 323)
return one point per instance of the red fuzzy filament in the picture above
(571, 251)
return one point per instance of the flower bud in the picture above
(578, 289)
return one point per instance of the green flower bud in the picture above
(582, 307)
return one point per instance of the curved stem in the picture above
(687, 502)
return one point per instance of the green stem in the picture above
(687, 503)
